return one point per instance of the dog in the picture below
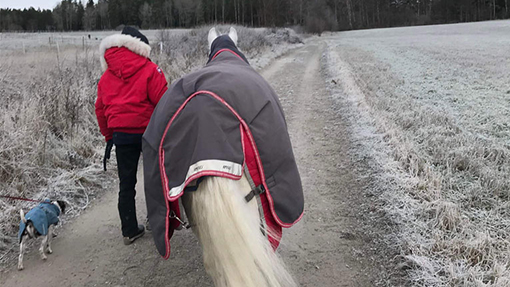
(39, 221)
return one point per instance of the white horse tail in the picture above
(236, 253)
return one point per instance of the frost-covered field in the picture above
(431, 108)
(50, 145)
(33, 41)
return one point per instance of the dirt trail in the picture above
(322, 250)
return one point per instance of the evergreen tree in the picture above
(146, 15)
(80, 12)
(315, 15)
(90, 16)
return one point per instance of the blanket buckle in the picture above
(182, 222)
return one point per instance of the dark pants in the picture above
(127, 164)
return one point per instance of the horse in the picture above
(218, 145)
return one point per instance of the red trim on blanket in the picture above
(169, 232)
(226, 50)
(243, 145)
(167, 220)
(274, 232)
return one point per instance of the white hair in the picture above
(236, 252)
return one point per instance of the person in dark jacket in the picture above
(127, 94)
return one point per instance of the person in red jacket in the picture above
(127, 94)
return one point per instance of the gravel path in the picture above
(325, 249)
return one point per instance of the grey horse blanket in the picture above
(222, 120)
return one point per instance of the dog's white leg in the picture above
(50, 237)
(42, 250)
(21, 252)
(22, 215)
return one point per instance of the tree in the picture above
(320, 18)
(103, 14)
(185, 11)
(90, 16)
(58, 17)
(115, 14)
(167, 10)
(80, 12)
(318, 14)
(146, 15)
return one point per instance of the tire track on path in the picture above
(324, 249)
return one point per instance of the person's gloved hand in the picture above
(107, 152)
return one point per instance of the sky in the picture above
(20, 4)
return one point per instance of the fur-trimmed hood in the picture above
(133, 44)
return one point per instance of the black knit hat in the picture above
(133, 32)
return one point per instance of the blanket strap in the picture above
(182, 222)
(256, 191)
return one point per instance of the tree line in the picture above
(313, 15)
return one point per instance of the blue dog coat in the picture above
(41, 216)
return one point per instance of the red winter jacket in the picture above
(129, 89)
